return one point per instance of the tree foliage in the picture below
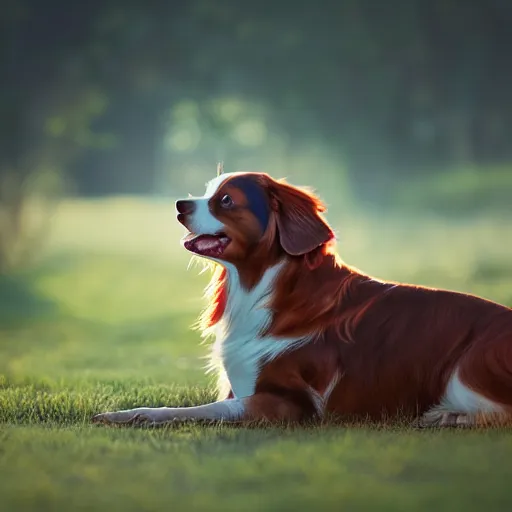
(391, 88)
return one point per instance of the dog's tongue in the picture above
(212, 245)
(207, 242)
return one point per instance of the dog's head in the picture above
(242, 214)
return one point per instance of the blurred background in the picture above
(399, 113)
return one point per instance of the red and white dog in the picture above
(300, 334)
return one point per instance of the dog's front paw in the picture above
(128, 417)
(111, 417)
(140, 416)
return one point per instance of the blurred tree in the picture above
(48, 101)
(391, 88)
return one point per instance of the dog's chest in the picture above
(241, 348)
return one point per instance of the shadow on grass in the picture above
(20, 302)
(493, 270)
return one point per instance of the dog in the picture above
(302, 336)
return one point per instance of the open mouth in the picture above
(207, 245)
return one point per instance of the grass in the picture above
(102, 322)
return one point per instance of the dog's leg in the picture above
(478, 394)
(291, 406)
(227, 410)
(436, 418)
(446, 419)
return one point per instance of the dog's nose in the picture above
(185, 206)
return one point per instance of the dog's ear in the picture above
(300, 226)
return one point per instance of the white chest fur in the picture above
(238, 348)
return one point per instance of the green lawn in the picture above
(102, 320)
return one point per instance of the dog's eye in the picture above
(226, 201)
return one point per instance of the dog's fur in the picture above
(300, 334)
